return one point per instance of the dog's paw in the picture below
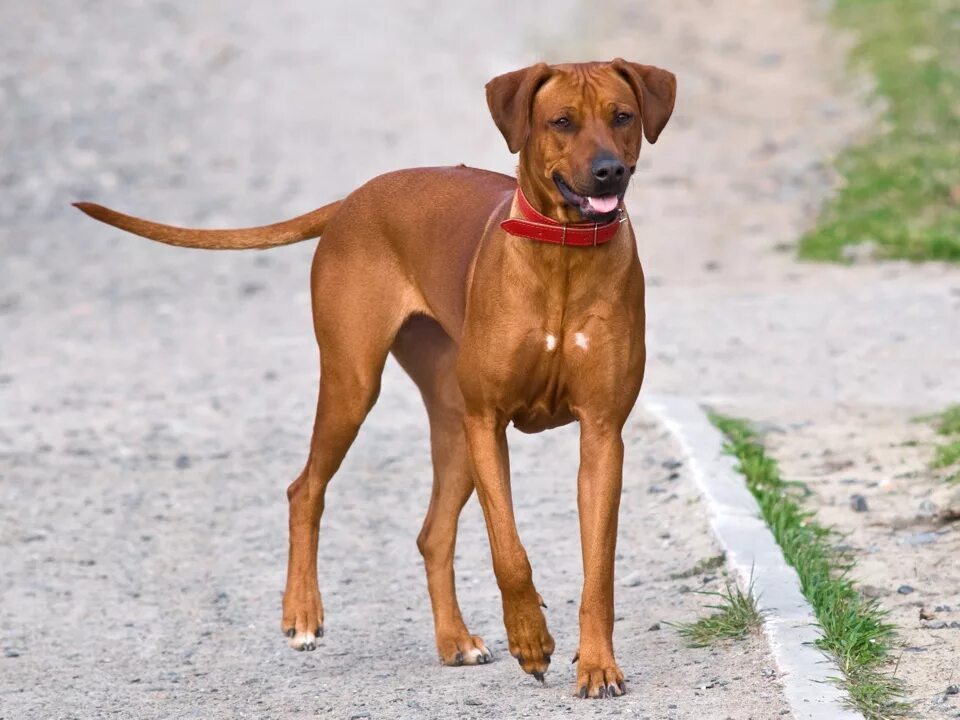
(467, 650)
(599, 680)
(528, 638)
(304, 640)
(302, 620)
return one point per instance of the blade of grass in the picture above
(947, 454)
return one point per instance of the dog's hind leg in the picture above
(355, 327)
(428, 355)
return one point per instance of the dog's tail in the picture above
(299, 228)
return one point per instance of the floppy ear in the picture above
(656, 91)
(510, 98)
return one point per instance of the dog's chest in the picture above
(550, 333)
(541, 394)
(543, 367)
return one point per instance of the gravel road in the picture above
(156, 402)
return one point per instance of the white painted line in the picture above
(789, 622)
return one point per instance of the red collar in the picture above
(535, 226)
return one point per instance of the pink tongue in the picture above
(603, 204)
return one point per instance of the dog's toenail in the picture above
(458, 659)
(291, 632)
(319, 632)
(583, 691)
(539, 676)
(623, 688)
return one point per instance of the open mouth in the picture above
(589, 206)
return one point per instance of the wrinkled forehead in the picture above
(588, 87)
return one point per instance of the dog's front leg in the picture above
(598, 501)
(529, 641)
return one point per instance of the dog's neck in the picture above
(540, 198)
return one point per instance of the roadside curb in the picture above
(788, 620)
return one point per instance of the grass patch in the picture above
(854, 629)
(902, 188)
(947, 454)
(736, 616)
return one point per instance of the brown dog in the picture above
(493, 327)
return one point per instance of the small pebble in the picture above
(905, 589)
(182, 462)
(771, 59)
(251, 288)
(858, 503)
(952, 690)
(936, 625)
(654, 627)
(924, 538)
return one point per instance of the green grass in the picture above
(736, 616)
(902, 187)
(947, 424)
(855, 632)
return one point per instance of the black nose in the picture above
(607, 169)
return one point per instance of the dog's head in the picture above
(578, 130)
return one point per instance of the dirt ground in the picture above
(156, 402)
(868, 477)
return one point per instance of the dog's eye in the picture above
(622, 118)
(562, 123)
